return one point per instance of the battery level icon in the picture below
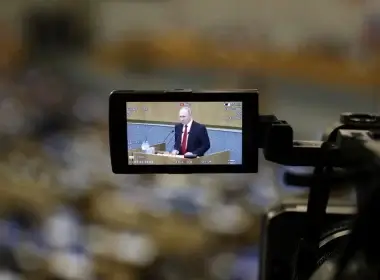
(227, 104)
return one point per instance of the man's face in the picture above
(184, 116)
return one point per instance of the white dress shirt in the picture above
(188, 131)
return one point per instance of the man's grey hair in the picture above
(188, 109)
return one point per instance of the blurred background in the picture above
(64, 215)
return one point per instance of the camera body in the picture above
(283, 227)
(325, 216)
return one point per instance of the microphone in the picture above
(171, 139)
(168, 135)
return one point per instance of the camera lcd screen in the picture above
(184, 133)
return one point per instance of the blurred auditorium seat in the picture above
(28, 188)
(119, 220)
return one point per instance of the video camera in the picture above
(307, 240)
(319, 239)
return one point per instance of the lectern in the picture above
(157, 147)
(160, 158)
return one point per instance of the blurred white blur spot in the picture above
(147, 200)
(70, 265)
(245, 268)
(90, 108)
(299, 169)
(221, 266)
(7, 275)
(159, 209)
(202, 196)
(135, 249)
(61, 230)
(74, 178)
(233, 182)
(264, 189)
(99, 240)
(227, 219)
(29, 256)
(87, 159)
(12, 118)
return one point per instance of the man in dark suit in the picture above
(191, 138)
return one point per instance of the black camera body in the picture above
(300, 236)
(283, 227)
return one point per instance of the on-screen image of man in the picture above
(191, 137)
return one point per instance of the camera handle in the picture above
(306, 257)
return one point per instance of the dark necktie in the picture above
(184, 141)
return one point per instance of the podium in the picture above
(140, 158)
(157, 147)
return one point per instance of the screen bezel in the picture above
(118, 129)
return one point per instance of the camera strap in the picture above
(306, 258)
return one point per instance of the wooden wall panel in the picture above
(209, 113)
